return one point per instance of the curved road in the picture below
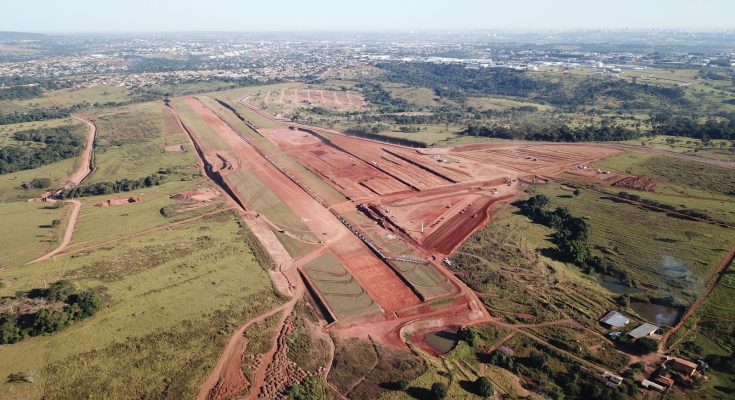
(84, 170)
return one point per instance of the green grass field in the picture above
(32, 233)
(91, 95)
(680, 182)
(130, 144)
(58, 172)
(10, 184)
(670, 255)
(707, 336)
(344, 295)
(506, 260)
(191, 120)
(717, 148)
(174, 296)
(100, 224)
(7, 131)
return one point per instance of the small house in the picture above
(684, 366)
(652, 385)
(643, 330)
(611, 379)
(664, 381)
(615, 319)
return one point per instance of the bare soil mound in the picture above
(198, 195)
(636, 183)
(120, 202)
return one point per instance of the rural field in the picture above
(330, 216)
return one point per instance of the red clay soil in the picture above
(227, 378)
(470, 178)
(636, 183)
(461, 226)
(383, 285)
(124, 201)
(202, 195)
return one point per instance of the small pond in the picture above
(617, 286)
(442, 341)
(657, 313)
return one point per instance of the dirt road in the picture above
(84, 170)
(76, 206)
(227, 378)
(85, 164)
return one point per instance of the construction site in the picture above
(367, 229)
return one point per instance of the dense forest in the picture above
(457, 82)
(49, 145)
(76, 305)
(677, 125)
(20, 92)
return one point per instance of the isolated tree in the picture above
(484, 387)
(577, 192)
(55, 223)
(439, 391)
(647, 345)
(403, 384)
(41, 183)
(469, 335)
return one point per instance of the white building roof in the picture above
(616, 319)
(648, 384)
(643, 330)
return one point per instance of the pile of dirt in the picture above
(203, 195)
(124, 201)
(636, 183)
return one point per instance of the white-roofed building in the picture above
(615, 319)
(643, 330)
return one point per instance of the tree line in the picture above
(555, 133)
(59, 143)
(109, 187)
(77, 305)
(38, 114)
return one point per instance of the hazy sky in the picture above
(371, 15)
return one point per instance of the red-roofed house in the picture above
(684, 366)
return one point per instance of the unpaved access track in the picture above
(85, 164)
(76, 205)
(85, 169)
